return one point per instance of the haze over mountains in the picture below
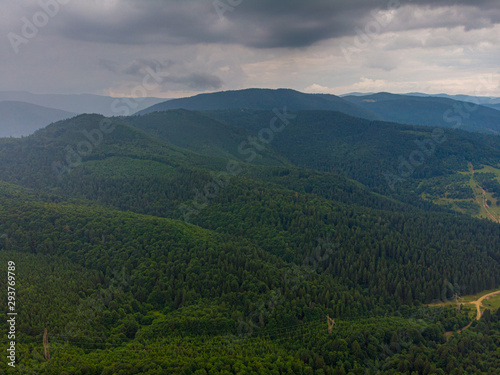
(430, 111)
(21, 113)
(83, 103)
(21, 119)
(486, 101)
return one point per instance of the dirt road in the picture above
(479, 304)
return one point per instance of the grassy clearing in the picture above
(490, 169)
(475, 297)
(473, 207)
(478, 192)
(493, 303)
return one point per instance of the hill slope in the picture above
(487, 101)
(263, 99)
(409, 163)
(199, 133)
(171, 296)
(123, 285)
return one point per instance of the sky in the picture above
(176, 48)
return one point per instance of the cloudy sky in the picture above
(193, 46)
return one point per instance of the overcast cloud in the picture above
(108, 46)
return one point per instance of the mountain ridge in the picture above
(263, 99)
(430, 111)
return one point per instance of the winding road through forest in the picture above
(479, 304)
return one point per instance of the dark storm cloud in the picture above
(109, 46)
(140, 67)
(197, 81)
(137, 67)
(262, 23)
(109, 65)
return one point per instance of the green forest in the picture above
(208, 242)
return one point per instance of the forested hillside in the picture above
(154, 245)
(391, 159)
(262, 99)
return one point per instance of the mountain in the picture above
(83, 103)
(21, 119)
(405, 109)
(264, 99)
(357, 93)
(379, 155)
(148, 245)
(370, 151)
(430, 111)
(362, 155)
(198, 132)
(65, 154)
(494, 106)
(486, 101)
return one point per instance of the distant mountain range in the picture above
(83, 103)
(23, 112)
(486, 101)
(21, 119)
(430, 111)
(415, 109)
(494, 106)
